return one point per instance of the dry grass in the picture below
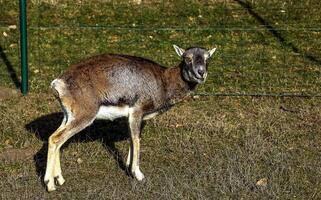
(220, 147)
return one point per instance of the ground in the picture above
(207, 147)
(216, 147)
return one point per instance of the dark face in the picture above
(195, 63)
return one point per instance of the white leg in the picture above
(135, 165)
(135, 121)
(56, 140)
(57, 167)
(53, 159)
(57, 170)
(49, 178)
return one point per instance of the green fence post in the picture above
(23, 47)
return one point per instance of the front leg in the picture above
(135, 119)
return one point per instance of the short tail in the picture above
(59, 87)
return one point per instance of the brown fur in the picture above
(112, 81)
(89, 82)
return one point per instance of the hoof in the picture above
(60, 180)
(138, 175)
(50, 185)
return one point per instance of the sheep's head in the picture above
(195, 63)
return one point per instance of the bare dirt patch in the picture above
(7, 93)
(17, 155)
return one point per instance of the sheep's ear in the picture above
(211, 51)
(179, 50)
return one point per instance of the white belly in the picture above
(112, 112)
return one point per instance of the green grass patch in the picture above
(263, 47)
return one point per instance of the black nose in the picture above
(201, 72)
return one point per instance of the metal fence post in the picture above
(23, 47)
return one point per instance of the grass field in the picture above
(204, 148)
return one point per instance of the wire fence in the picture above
(265, 48)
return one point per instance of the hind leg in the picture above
(77, 116)
(57, 168)
(56, 140)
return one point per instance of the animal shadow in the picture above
(107, 132)
(10, 69)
